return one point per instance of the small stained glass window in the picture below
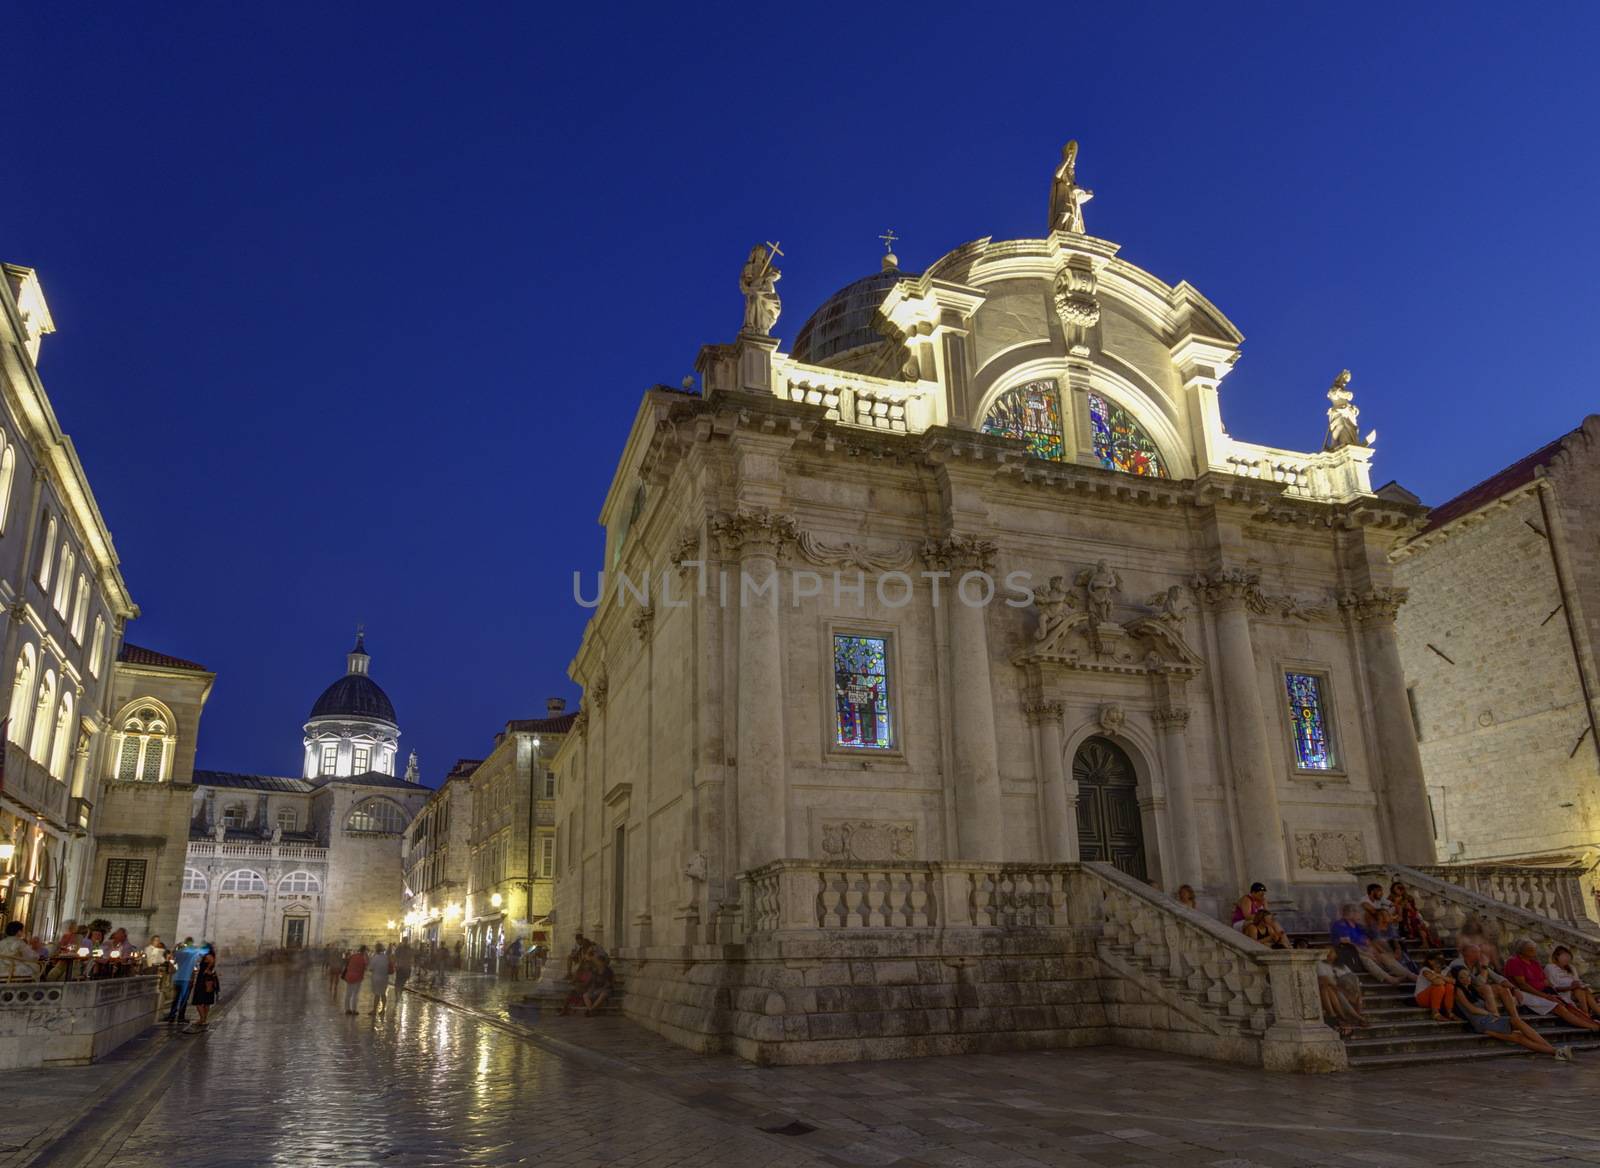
(1031, 412)
(861, 692)
(1121, 443)
(1313, 745)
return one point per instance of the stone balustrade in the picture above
(265, 850)
(1239, 999)
(1556, 893)
(1447, 905)
(856, 399)
(1330, 475)
(66, 1023)
(32, 783)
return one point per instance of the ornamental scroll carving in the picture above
(868, 841)
(1329, 851)
(848, 554)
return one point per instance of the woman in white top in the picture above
(1567, 985)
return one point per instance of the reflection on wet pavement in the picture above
(287, 1079)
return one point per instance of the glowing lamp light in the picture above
(84, 951)
(389, 923)
(452, 910)
(496, 900)
(116, 953)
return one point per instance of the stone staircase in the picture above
(1400, 1032)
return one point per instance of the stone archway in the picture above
(1109, 822)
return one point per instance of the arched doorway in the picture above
(1108, 807)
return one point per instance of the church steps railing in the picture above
(1551, 892)
(1221, 981)
(1447, 905)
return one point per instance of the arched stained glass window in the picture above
(1031, 412)
(1121, 443)
(1313, 744)
(376, 815)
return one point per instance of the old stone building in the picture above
(63, 604)
(969, 587)
(437, 860)
(512, 844)
(285, 862)
(1499, 641)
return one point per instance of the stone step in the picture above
(1490, 1048)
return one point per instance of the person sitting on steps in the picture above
(1471, 1001)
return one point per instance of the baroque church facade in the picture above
(253, 862)
(973, 576)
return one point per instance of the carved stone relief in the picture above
(868, 841)
(1329, 851)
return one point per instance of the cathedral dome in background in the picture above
(839, 334)
(354, 696)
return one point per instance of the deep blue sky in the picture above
(356, 302)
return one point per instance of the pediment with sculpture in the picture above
(1086, 624)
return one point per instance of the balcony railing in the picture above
(30, 783)
(265, 850)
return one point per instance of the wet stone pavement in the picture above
(445, 1078)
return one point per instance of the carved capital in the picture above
(644, 620)
(1171, 718)
(1043, 713)
(1375, 606)
(960, 553)
(753, 531)
(686, 555)
(599, 690)
(1229, 588)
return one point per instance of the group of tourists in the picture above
(94, 951)
(1481, 988)
(372, 966)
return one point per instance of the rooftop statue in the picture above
(1066, 196)
(1342, 416)
(758, 282)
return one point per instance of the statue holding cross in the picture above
(1066, 196)
(758, 281)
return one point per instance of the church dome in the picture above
(355, 695)
(841, 328)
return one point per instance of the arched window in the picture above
(194, 880)
(1031, 412)
(8, 476)
(39, 744)
(1120, 443)
(288, 819)
(378, 816)
(143, 753)
(64, 567)
(65, 738)
(22, 695)
(299, 884)
(48, 554)
(243, 880)
(80, 608)
(97, 654)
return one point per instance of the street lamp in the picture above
(496, 900)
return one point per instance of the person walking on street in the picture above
(378, 970)
(355, 969)
(514, 958)
(402, 965)
(184, 961)
(206, 985)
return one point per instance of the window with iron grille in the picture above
(124, 884)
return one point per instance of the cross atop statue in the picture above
(1066, 196)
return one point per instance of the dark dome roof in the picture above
(844, 320)
(355, 695)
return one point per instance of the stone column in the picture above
(979, 827)
(1059, 791)
(1183, 866)
(1401, 790)
(757, 538)
(1228, 594)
